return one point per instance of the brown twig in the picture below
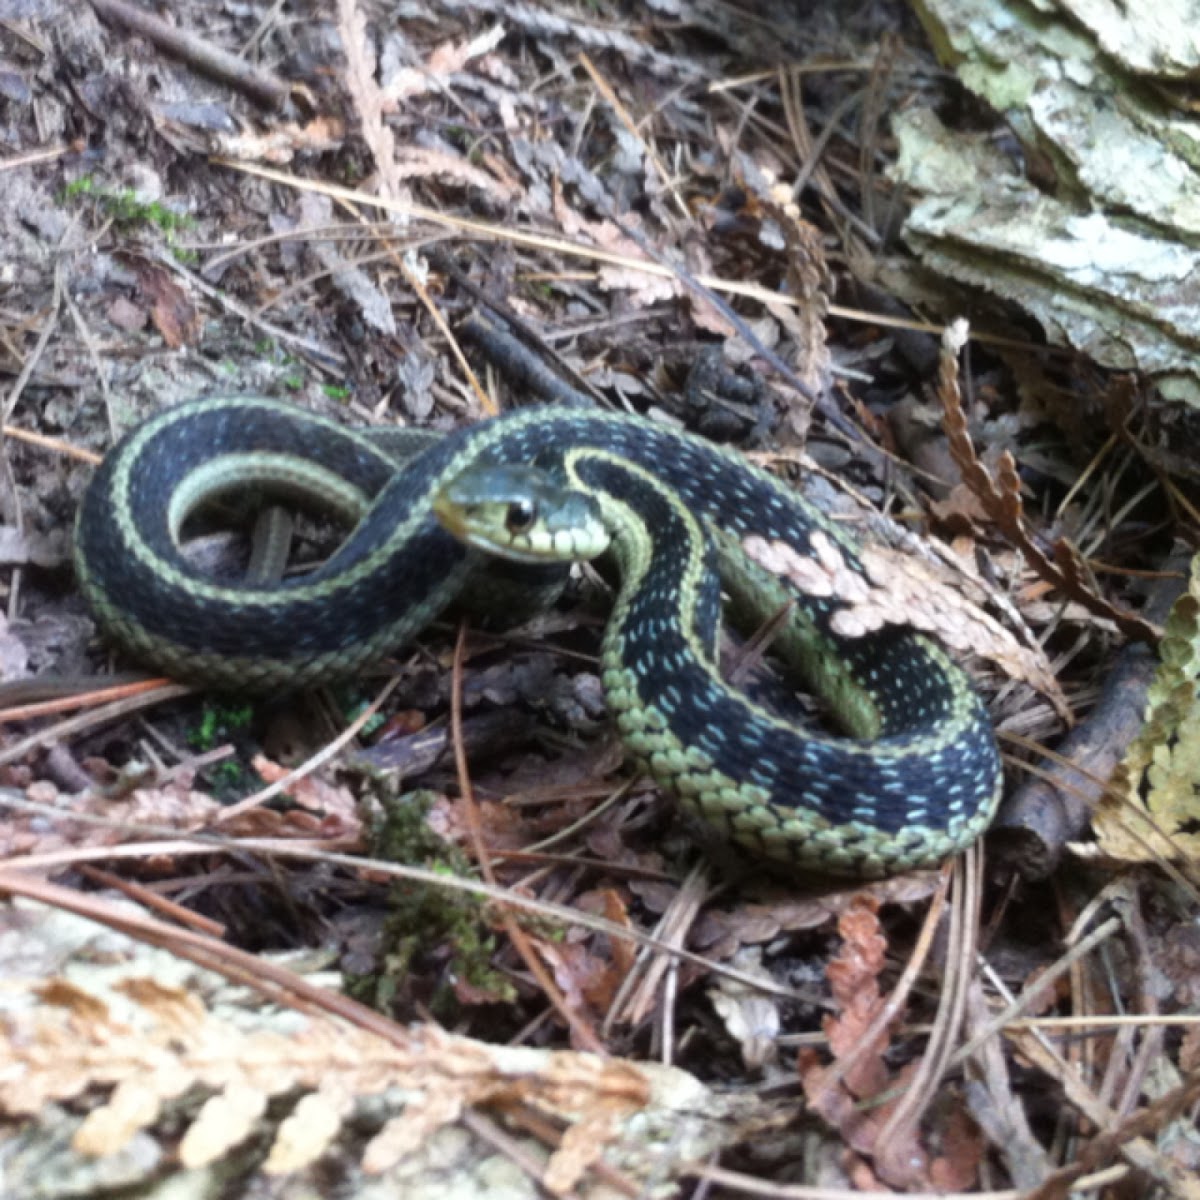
(1001, 500)
(31, 438)
(94, 717)
(27, 699)
(263, 87)
(581, 1029)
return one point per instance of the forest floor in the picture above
(430, 931)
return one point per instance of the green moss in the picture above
(228, 780)
(219, 723)
(126, 210)
(431, 932)
(124, 207)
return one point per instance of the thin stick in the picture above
(262, 86)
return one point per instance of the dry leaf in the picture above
(402, 1135)
(136, 1028)
(223, 1121)
(72, 1041)
(750, 1016)
(886, 587)
(644, 289)
(282, 143)
(313, 792)
(172, 311)
(172, 805)
(444, 60)
(582, 1146)
(853, 975)
(309, 1131)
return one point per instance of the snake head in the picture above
(521, 513)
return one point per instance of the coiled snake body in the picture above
(919, 780)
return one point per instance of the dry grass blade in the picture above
(580, 1028)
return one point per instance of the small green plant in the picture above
(125, 209)
(293, 368)
(353, 705)
(218, 723)
(229, 778)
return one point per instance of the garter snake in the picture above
(918, 779)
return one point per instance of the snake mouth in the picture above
(451, 516)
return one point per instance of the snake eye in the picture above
(520, 516)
